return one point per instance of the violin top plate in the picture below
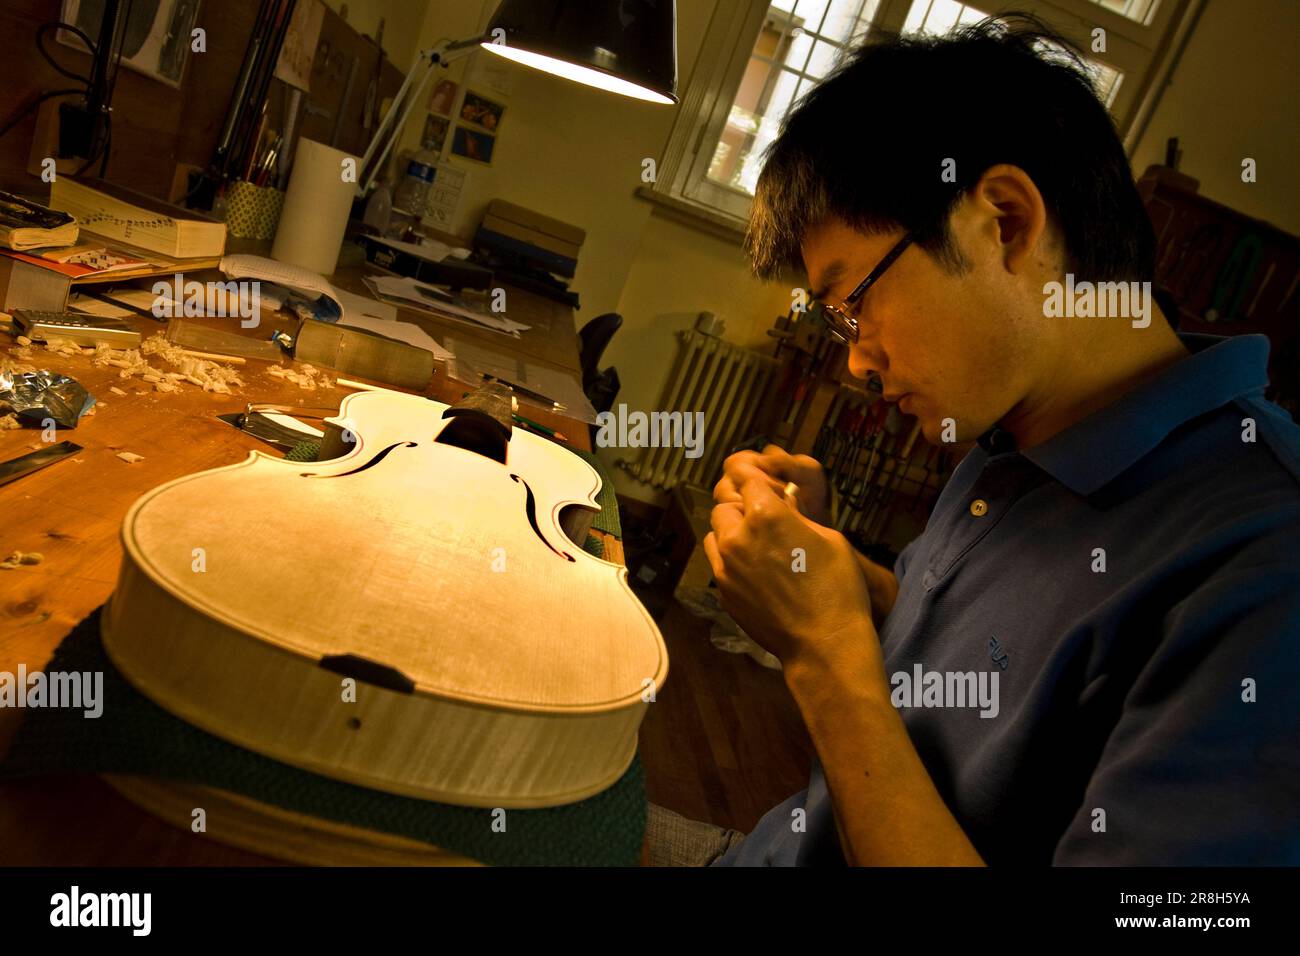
(424, 557)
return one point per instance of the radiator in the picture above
(727, 383)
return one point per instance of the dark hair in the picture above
(868, 146)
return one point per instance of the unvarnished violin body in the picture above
(408, 616)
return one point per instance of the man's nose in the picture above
(864, 359)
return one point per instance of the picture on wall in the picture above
(481, 112)
(442, 97)
(472, 144)
(155, 42)
(435, 133)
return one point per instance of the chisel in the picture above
(26, 464)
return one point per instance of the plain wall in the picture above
(1233, 95)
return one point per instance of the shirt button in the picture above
(979, 507)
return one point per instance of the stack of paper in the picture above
(362, 313)
(472, 361)
(412, 294)
(430, 249)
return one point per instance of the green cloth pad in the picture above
(135, 736)
(606, 519)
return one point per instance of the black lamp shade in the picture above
(627, 46)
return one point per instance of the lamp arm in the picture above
(407, 96)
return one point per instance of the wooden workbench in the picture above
(71, 512)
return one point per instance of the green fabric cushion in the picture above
(303, 451)
(607, 518)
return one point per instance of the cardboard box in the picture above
(502, 211)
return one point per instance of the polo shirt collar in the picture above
(1090, 453)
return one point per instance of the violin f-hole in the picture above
(370, 464)
(530, 507)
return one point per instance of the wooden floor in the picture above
(724, 741)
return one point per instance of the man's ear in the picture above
(1009, 210)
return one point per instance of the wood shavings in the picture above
(115, 390)
(19, 558)
(64, 347)
(156, 344)
(304, 376)
(130, 457)
(128, 360)
(24, 341)
(8, 422)
(207, 375)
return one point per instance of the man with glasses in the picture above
(842, 319)
(1118, 556)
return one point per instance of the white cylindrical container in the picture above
(315, 215)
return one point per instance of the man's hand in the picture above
(778, 467)
(793, 585)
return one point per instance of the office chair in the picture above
(604, 389)
(595, 336)
(601, 393)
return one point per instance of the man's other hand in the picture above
(778, 467)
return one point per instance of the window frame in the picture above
(1145, 54)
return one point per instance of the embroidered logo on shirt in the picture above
(997, 654)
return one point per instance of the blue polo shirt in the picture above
(1134, 582)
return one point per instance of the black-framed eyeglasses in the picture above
(839, 318)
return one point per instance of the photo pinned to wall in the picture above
(473, 144)
(300, 41)
(480, 112)
(434, 136)
(155, 41)
(443, 97)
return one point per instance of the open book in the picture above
(139, 220)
